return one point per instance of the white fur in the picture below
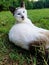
(24, 31)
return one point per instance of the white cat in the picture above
(24, 33)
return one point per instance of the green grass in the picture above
(40, 17)
(11, 54)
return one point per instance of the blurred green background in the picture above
(30, 4)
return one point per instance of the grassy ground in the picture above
(11, 54)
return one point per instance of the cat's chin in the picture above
(20, 20)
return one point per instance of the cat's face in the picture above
(19, 13)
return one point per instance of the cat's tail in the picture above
(43, 39)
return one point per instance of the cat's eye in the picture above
(23, 11)
(18, 13)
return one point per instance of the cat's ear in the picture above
(22, 4)
(12, 9)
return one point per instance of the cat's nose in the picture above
(22, 17)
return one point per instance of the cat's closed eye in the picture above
(18, 14)
(23, 11)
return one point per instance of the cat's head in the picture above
(19, 13)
